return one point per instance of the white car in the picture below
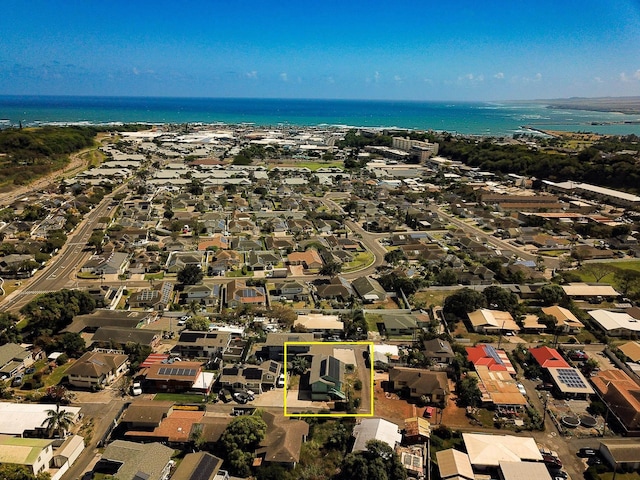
(280, 381)
(136, 389)
(521, 388)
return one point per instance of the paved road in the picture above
(496, 242)
(103, 415)
(62, 269)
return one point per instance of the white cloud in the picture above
(376, 77)
(636, 75)
(624, 78)
(598, 80)
(135, 71)
(538, 77)
(499, 75)
(284, 77)
(252, 74)
(397, 78)
(331, 80)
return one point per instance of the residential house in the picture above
(621, 394)
(262, 260)
(177, 261)
(97, 370)
(338, 288)
(273, 348)
(197, 344)
(258, 378)
(319, 324)
(35, 454)
(293, 290)
(326, 378)
(283, 440)
(144, 414)
(202, 294)
(173, 377)
(239, 293)
(158, 297)
(174, 429)
(134, 461)
(439, 351)
(369, 289)
(492, 321)
(309, 259)
(13, 359)
(17, 265)
(375, 429)
(417, 383)
(106, 264)
(495, 360)
(200, 466)
(548, 357)
(566, 320)
(395, 325)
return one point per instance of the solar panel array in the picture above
(177, 372)
(273, 367)
(489, 350)
(570, 377)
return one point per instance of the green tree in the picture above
(500, 298)
(394, 257)
(198, 323)
(551, 294)
(12, 471)
(468, 391)
(72, 343)
(628, 281)
(378, 462)
(331, 269)
(464, 301)
(190, 275)
(57, 421)
(447, 276)
(299, 365)
(239, 440)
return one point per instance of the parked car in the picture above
(551, 461)
(594, 461)
(280, 381)
(544, 386)
(587, 452)
(578, 355)
(136, 389)
(29, 371)
(521, 388)
(241, 397)
(17, 380)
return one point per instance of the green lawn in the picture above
(238, 273)
(154, 276)
(586, 276)
(57, 375)
(179, 397)
(313, 166)
(361, 260)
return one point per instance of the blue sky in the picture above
(414, 50)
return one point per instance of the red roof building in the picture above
(494, 360)
(548, 357)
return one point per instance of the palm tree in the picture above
(58, 421)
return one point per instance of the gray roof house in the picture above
(327, 377)
(136, 461)
(369, 289)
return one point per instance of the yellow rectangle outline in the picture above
(330, 415)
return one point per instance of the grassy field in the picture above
(586, 276)
(313, 166)
(431, 297)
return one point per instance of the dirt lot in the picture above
(390, 406)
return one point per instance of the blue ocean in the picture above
(474, 118)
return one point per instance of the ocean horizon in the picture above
(469, 118)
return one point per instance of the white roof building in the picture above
(486, 450)
(524, 471)
(615, 323)
(375, 429)
(16, 418)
